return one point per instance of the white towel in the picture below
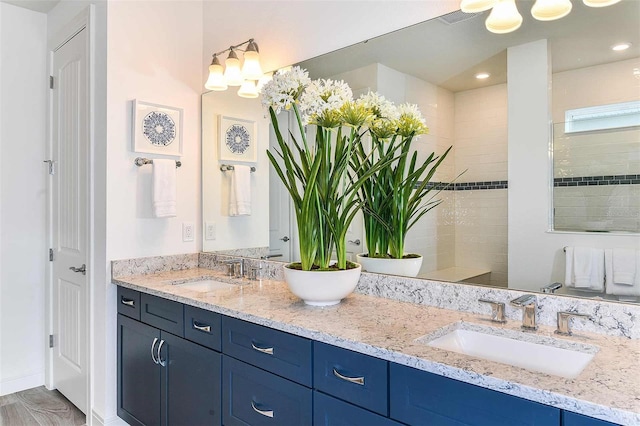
(585, 268)
(624, 266)
(617, 289)
(240, 191)
(164, 188)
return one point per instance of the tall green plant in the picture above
(398, 194)
(315, 173)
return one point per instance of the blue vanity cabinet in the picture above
(574, 419)
(419, 397)
(164, 379)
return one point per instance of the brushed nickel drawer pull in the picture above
(266, 413)
(201, 327)
(153, 345)
(160, 361)
(268, 351)
(356, 380)
(128, 302)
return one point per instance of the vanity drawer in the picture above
(351, 376)
(574, 419)
(419, 397)
(129, 303)
(203, 327)
(328, 411)
(251, 396)
(164, 314)
(281, 353)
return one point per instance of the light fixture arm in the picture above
(236, 47)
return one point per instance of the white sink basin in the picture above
(206, 285)
(538, 353)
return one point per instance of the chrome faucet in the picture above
(497, 310)
(564, 327)
(235, 268)
(530, 304)
(551, 288)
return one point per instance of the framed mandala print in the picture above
(157, 129)
(237, 140)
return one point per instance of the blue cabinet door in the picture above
(191, 383)
(138, 375)
(421, 398)
(354, 377)
(251, 396)
(574, 419)
(328, 411)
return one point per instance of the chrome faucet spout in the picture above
(529, 303)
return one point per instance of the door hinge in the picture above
(50, 255)
(51, 340)
(52, 167)
(50, 82)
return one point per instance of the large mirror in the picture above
(496, 224)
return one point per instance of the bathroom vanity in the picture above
(252, 353)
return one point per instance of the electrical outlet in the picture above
(210, 231)
(187, 231)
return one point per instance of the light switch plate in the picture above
(187, 231)
(210, 231)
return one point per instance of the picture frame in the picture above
(156, 129)
(237, 139)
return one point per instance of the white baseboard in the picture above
(21, 383)
(97, 420)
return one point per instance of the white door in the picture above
(70, 140)
(280, 233)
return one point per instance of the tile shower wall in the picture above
(480, 134)
(596, 182)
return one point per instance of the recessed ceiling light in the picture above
(482, 75)
(620, 46)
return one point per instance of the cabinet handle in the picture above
(356, 380)
(204, 328)
(162, 363)
(266, 413)
(268, 351)
(153, 345)
(128, 302)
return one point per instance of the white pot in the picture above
(322, 288)
(409, 267)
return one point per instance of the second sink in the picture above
(538, 353)
(206, 285)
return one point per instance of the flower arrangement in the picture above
(393, 197)
(331, 175)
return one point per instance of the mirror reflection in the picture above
(486, 231)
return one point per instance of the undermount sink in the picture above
(534, 352)
(206, 285)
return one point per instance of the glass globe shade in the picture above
(504, 17)
(548, 10)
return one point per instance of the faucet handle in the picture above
(551, 288)
(564, 318)
(497, 310)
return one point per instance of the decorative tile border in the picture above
(468, 186)
(597, 180)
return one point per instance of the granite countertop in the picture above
(608, 388)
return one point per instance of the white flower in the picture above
(411, 121)
(322, 96)
(381, 107)
(285, 88)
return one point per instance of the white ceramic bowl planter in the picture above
(409, 267)
(322, 288)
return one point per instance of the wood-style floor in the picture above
(39, 407)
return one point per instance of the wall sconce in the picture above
(221, 77)
(505, 18)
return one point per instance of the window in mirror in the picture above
(602, 117)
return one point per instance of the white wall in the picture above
(536, 257)
(23, 248)
(240, 231)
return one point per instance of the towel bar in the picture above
(225, 167)
(139, 161)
